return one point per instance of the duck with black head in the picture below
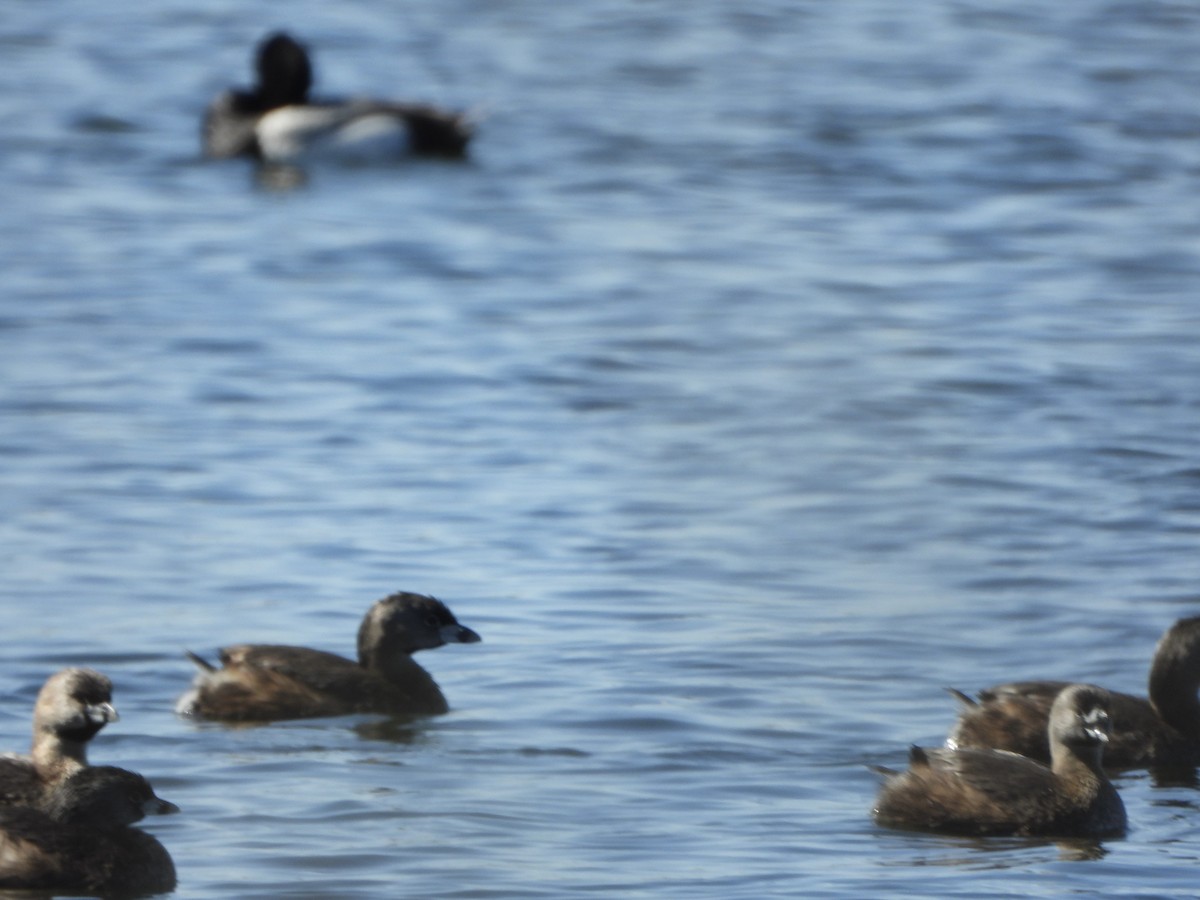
(994, 792)
(1163, 730)
(71, 708)
(264, 682)
(79, 839)
(277, 121)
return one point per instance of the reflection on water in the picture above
(280, 176)
(1174, 776)
(392, 730)
(994, 852)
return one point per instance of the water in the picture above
(770, 367)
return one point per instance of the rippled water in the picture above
(770, 367)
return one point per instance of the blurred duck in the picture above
(1163, 730)
(263, 682)
(277, 121)
(80, 839)
(72, 706)
(994, 792)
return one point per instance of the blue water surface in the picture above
(768, 367)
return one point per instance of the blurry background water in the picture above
(769, 367)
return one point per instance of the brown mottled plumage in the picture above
(993, 792)
(263, 682)
(1163, 730)
(72, 706)
(80, 840)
